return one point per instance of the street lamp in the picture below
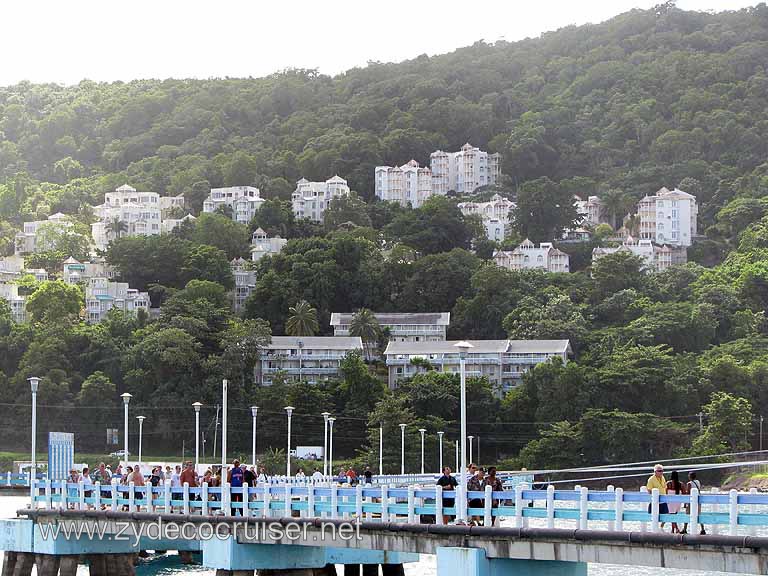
(421, 431)
(440, 441)
(402, 449)
(381, 448)
(197, 406)
(471, 439)
(289, 411)
(325, 443)
(463, 347)
(331, 420)
(126, 399)
(224, 384)
(141, 429)
(34, 384)
(254, 412)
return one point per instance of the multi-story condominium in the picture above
(463, 171)
(590, 211)
(309, 358)
(101, 296)
(18, 304)
(503, 362)
(669, 217)
(402, 327)
(28, 241)
(495, 215)
(168, 225)
(262, 246)
(244, 201)
(528, 257)
(310, 199)
(245, 283)
(655, 257)
(140, 212)
(75, 271)
(406, 184)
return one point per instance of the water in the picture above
(170, 565)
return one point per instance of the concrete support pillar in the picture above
(9, 563)
(47, 564)
(370, 570)
(395, 570)
(97, 565)
(24, 563)
(68, 565)
(186, 557)
(472, 562)
(352, 569)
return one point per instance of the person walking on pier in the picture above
(660, 483)
(674, 486)
(448, 483)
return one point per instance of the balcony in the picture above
(304, 370)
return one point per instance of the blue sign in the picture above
(512, 481)
(61, 454)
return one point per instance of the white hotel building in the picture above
(402, 326)
(668, 217)
(309, 358)
(528, 257)
(310, 199)
(503, 362)
(463, 171)
(406, 184)
(244, 201)
(101, 296)
(26, 241)
(655, 257)
(495, 215)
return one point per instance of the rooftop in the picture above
(481, 347)
(416, 318)
(316, 342)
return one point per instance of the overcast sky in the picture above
(60, 41)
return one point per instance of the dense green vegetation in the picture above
(648, 99)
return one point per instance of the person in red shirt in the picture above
(352, 477)
(188, 475)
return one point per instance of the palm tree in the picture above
(302, 320)
(615, 203)
(365, 325)
(116, 227)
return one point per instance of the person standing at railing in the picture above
(74, 478)
(674, 486)
(300, 476)
(88, 483)
(317, 476)
(176, 493)
(262, 477)
(138, 481)
(476, 484)
(352, 477)
(235, 479)
(693, 482)
(449, 484)
(496, 486)
(101, 474)
(368, 475)
(658, 482)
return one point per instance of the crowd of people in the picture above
(673, 486)
(476, 481)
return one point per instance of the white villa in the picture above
(309, 358)
(463, 171)
(310, 199)
(402, 326)
(140, 211)
(101, 296)
(27, 242)
(262, 246)
(406, 184)
(495, 215)
(528, 257)
(245, 283)
(668, 217)
(590, 211)
(244, 201)
(75, 271)
(503, 362)
(10, 293)
(168, 225)
(656, 257)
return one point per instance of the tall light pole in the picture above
(224, 384)
(440, 441)
(254, 413)
(381, 448)
(331, 420)
(197, 406)
(463, 347)
(325, 443)
(761, 433)
(456, 452)
(289, 412)
(126, 399)
(470, 438)
(34, 384)
(421, 431)
(141, 430)
(402, 449)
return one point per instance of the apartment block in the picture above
(527, 256)
(140, 212)
(402, 327)
(30, 239)
(590, 211)
(312, 359)
(310, 199)
(18, 304)
(168, 225)
(463, 171)
(495, 215)
(262, 246)
(503, 362)
(656, 257)
(406, 184)
(668, 217)
(75, 271)
(101, 296)
(245, 283)
(244, 202)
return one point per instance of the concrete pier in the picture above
(473, 562)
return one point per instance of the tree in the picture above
(55, 301)
(543, 211)
(345, 209)
(729, 420)
(116, 227)
(302, 320)
(205, 262)
(615, 203)
(365, 325)
(558, 318)
(438, 280)
(436, 226)
(275, 217)
(560, 446)
(618, 271)
(219, 231)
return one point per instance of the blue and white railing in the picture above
(612, 509)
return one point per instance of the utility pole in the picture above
(216, 431)
(701, 421)
(761, 433)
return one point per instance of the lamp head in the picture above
(326, 415)
(254, 411)
(463, 347)
(440, 433)
(141, 418)
(34, 384)
(197, 406)
(289, 410)
(402, 426)
(126, 398)
(331, 420)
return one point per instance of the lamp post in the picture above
(421, 431)
(289, 412)
(254, 413)
(761, 433)
(463, 347)
(34, 384)
(331, 420)
(381, 448)
(456, 452)
(402, 449)
(325, 443)
(141, 430)
(224, 384)
(197, 406)
(470, 438)
(126, 399)
(440, 442)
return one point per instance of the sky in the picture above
(106, 40)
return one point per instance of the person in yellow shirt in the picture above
(659, 482)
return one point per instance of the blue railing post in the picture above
(619, 509)
(611, 523)
(655, 510)
(733, 512)
(694, 514)
(584, 508)
(438, 504)
(550, 506)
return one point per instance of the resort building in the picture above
(262, 246)
(243, 202)
(75, 271)
(590, 211)
(308, 358)
(139, 212)
(402, 327)
(168, 225)
(668, 217)
(463, 171)
(528, 257)
(406, 184)
(18, 304)
(495, 215)
(101, 296)
(245, 283)
(656, 257)
(310, 199)
(32, 238)
(503, 362)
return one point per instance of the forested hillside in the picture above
(648, 99)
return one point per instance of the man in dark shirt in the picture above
(448, 484)
(368, 475)
(235, 478)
